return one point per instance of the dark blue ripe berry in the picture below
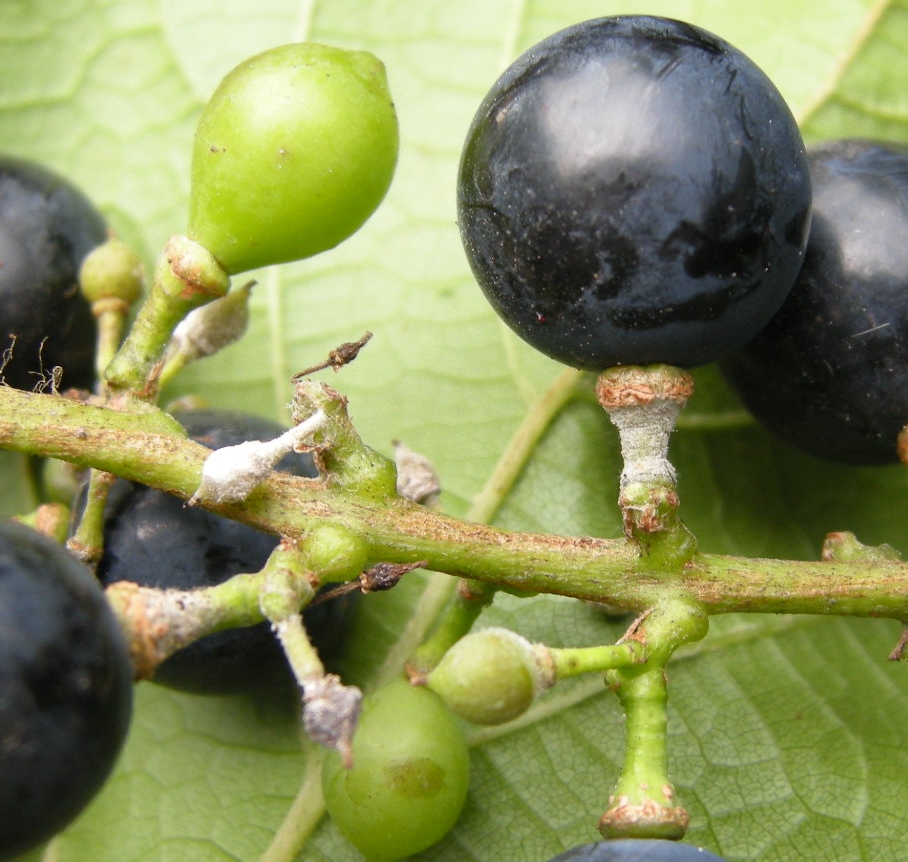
(154, 539)
(634, 190)
(637, 850)
(47, 227)
(65, 688)
(830, 371)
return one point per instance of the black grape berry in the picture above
(830, 371)
(47, 227)
(65, 688)
(634, 190)
(154, 539)
(637, 850)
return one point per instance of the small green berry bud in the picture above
(112, 271)
(492, 676)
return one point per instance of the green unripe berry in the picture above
(491, 676)
(409, 778)
(294, 151)
(112, 271)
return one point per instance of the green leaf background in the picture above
(786, 734)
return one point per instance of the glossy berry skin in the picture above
(154, 539)
(409, 778)
(47, 227)
(830, 371)
(293, 152)
(637, 850)
(634, 190)
(65, 688)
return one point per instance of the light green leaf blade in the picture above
(784, 734)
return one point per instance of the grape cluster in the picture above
(632, 190)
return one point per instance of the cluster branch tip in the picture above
(644, 804)
(158, 623)
(339, 452)
(330, 708)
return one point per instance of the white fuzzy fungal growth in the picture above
(215, 325)
(232, 473)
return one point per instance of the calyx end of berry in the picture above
(647, 819)
(635, 385)
(188, 271)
